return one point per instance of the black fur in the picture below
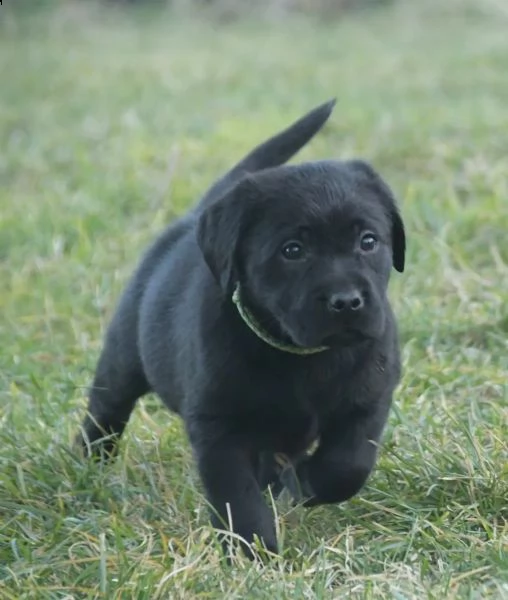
(177, 332)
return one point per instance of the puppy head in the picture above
(312, 247)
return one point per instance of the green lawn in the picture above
(109, 126)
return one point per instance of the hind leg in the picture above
(118, 383)
(267, 471)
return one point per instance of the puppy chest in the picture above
(289, 432)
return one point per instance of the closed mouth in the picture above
(349, 335)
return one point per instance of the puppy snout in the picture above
(346, 301)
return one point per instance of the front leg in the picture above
(227, 472)
(343, 461)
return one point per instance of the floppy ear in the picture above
(220, 230)
(398, 241)
(388, 199)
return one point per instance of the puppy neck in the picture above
(251, 322)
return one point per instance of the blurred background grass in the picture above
(114, 118)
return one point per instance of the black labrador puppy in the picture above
(262, 318)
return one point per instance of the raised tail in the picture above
(275, 151)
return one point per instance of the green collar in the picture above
(256, 328)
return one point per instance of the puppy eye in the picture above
(368, 242)
(292, 250)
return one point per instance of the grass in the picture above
(110, 125)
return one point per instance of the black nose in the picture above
(346, 301)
